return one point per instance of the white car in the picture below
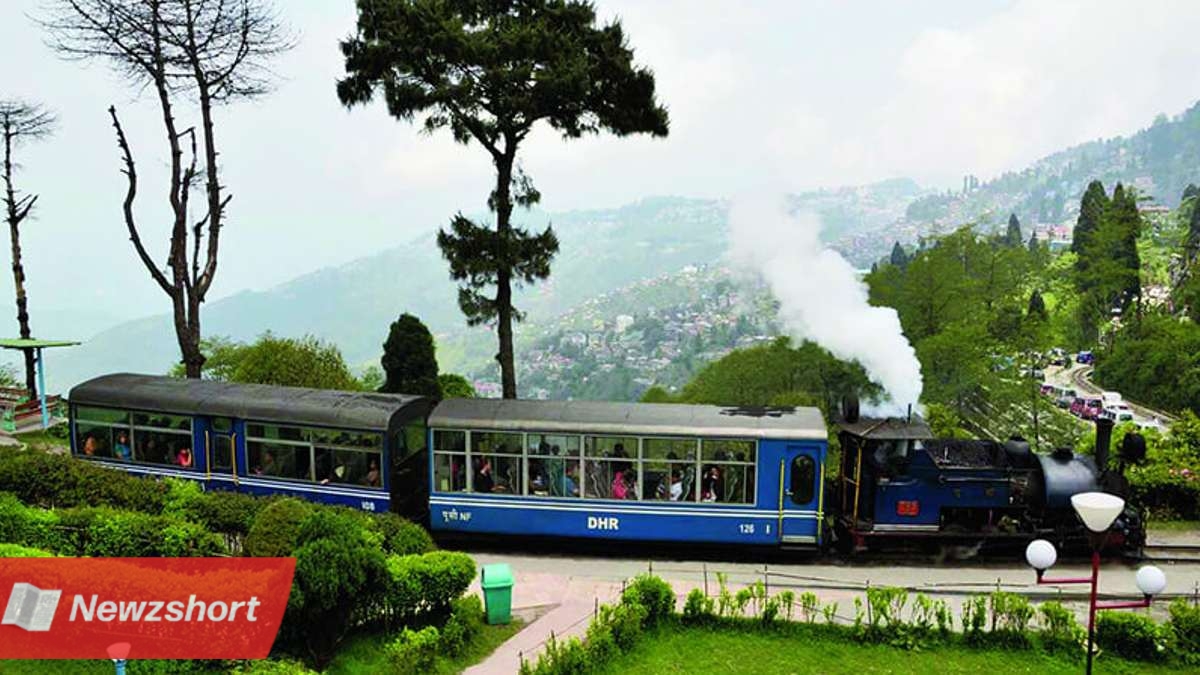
(1117, 413)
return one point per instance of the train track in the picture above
(1171, 553)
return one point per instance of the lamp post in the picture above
(1098, 511)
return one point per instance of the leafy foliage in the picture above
(276, 529)
(652, 593)
(288, 362)
(1129, 635)
(455, 386)
(409, 361)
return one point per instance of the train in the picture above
(666, 473)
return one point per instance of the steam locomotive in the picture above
(896, 481)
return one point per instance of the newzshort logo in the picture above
(31, 608)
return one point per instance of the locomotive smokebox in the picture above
(1104, 428)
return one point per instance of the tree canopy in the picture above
(489, 72)
(409, 359)
(288, 362)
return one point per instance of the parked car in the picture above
(1085, 357)
(1065, 398)
(1058, 357)
(1116, 414)
(1050, 390)
(1033, 373)
(1112, 399)
(1092, 407)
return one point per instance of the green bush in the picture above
(181, 539)
(1011, 614)
(465, 622)
(338, 581)
(228, 513)
(181, 495)
(559, 658)
(426, 583)
(20, 524)
(15, 551)
(336, 521)
(697, 607)
(652, 593)
(402, 537)
(61, 481)
(1184, 630)
(1129, 635)
(276, 529)
(414, 651)
(1061, 632)
(974, 618)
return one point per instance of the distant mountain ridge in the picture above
(606, 249)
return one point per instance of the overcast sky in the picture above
(787, 95)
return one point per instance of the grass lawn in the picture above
(361, 655)
(1174, 525)
(41, 440)
(683, 649)
(364, 655)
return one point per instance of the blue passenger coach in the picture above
(654, 472)
(331, 446)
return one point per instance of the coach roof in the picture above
(298, 405)
(664, 419)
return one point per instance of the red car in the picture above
(1088, 408)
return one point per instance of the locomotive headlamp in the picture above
(1040, 555)
(1097, 510)
(1151, 580)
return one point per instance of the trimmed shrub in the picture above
(181, 495)
(652, 593)
(276, 530)
(181, 539)
(14, 551)
(20, 524)
(1184, 630)
(465, 622)
(401, 536)
(426, 583)
(338, 579)
(229, 513)
(414, 651)
(1061, 632)
(1129, 635)
(697, 607)
(1011, 614)
(61, 481)
(336, 521)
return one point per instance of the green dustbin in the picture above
(497, 582)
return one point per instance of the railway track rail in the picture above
(1171, 553)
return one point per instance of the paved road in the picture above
(1076, 376)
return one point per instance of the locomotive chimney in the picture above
(1104, 429)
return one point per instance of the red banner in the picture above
(142, 608)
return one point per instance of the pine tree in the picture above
(1192, 190)
(1037, 307)
(409, 359)
(490, 72)
(1013, 238)
(899, 258)
(1091, 210)
(1193, 237)
(1126, 222)
(1033, 242)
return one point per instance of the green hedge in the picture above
(14, 551)
(276, 528)
(57, 481)
(1130, 635)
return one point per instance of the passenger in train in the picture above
(90, 445)
(676, 485)
(570, 487)
(372, 479)
(712, 485)
(620, 490)
(484, 482)
(184, 457)
(123, 450)
(267, 467)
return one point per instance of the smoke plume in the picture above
(821, 298)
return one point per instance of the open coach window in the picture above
(727, 471)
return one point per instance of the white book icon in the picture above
(31, 608)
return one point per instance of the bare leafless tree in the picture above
(205, 52)
(20, 122)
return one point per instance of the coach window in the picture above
(554, 467)
(611, 470)
(727, 471)
(804, 474)
(279, 452)
(347, 457)
(669, 469)
(450, 460)
(162, 439)
(97, 430)
(495, 462)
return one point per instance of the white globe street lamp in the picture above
(1151, 581)
(1098, 511)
